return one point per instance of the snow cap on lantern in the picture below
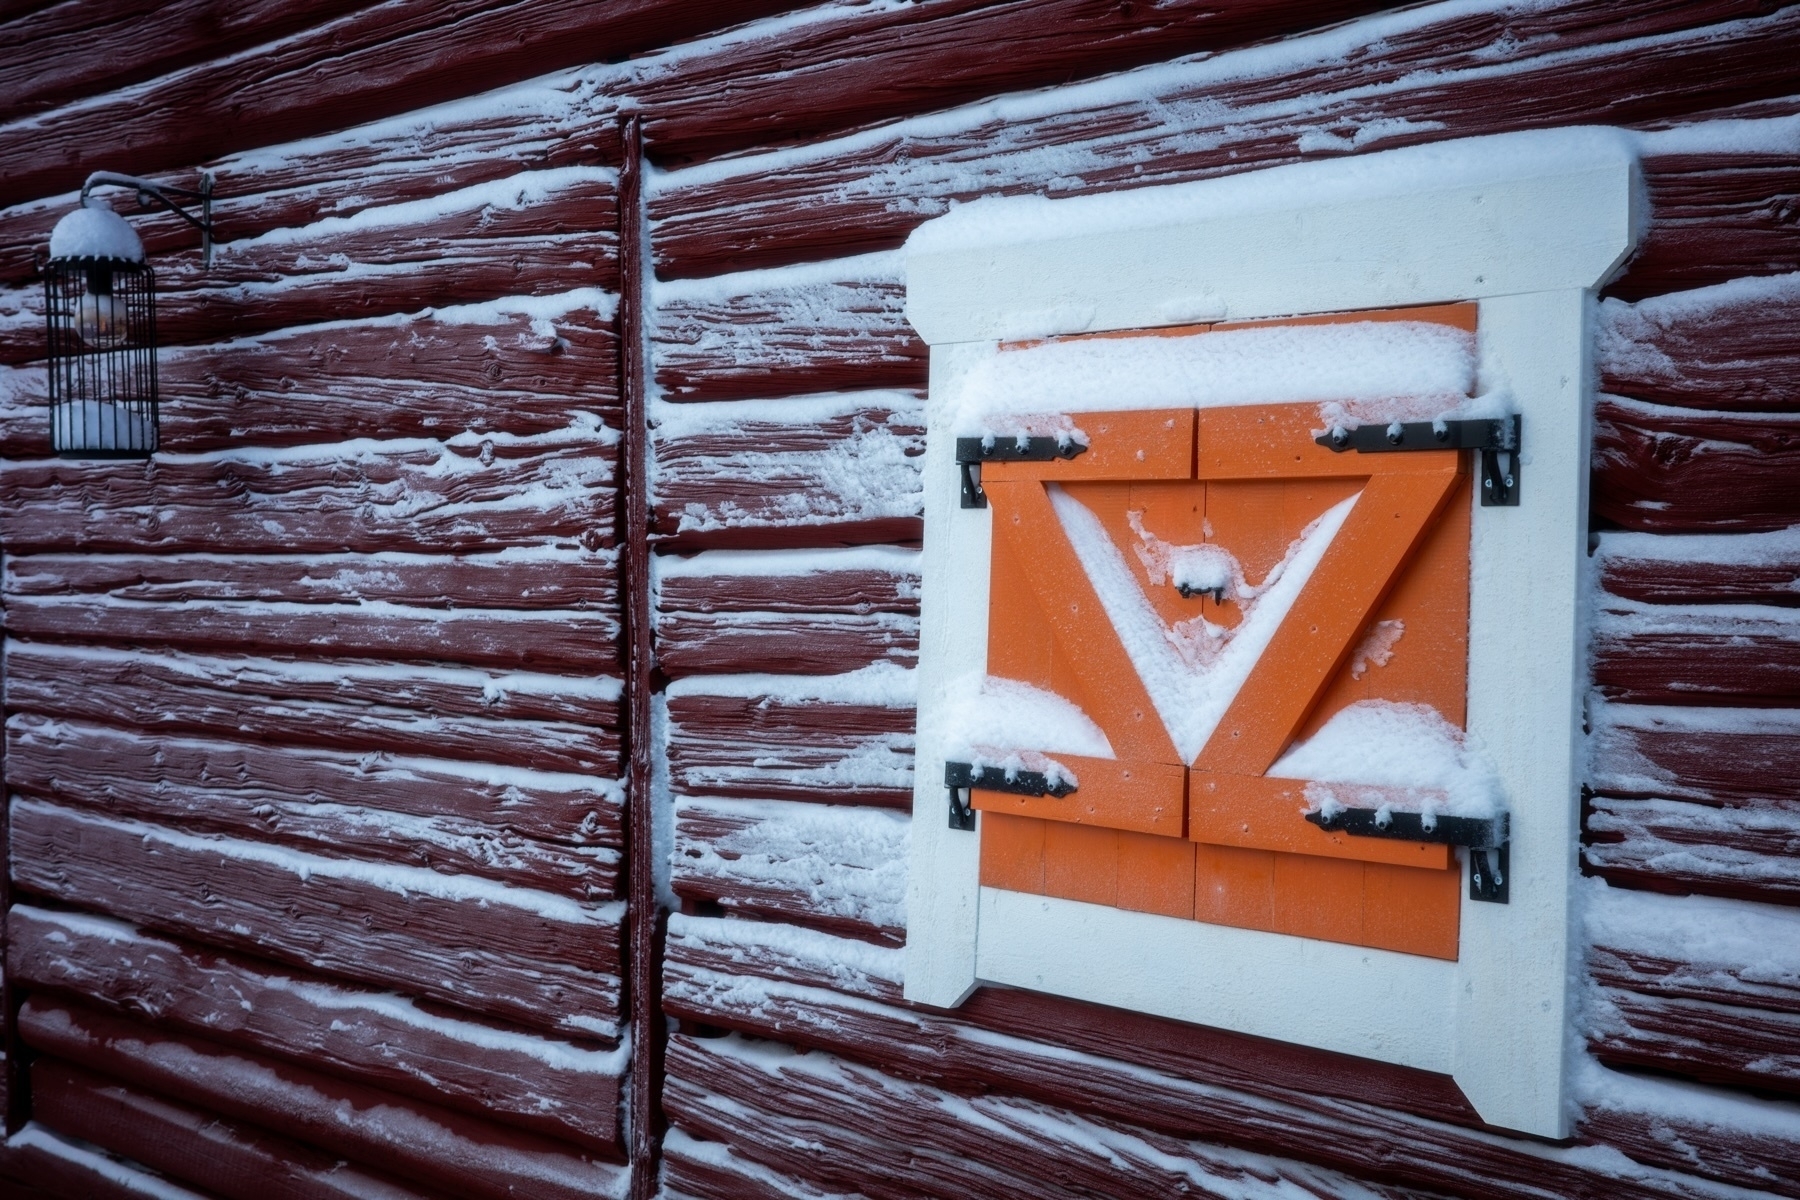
(95, 231)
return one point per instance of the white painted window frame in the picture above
(1527, 225)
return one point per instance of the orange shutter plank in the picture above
(1012, 853)
(1024, 520)
(1260, 813)
(1414, 912)
(1081, 862)
(1141, 796)
(1156, 875)
(1144, 444)
(1275, 441)
(1319, 898)
(1387, 522)
(1234, 887)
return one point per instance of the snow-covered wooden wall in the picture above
(315, 724)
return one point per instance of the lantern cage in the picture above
(101, 314)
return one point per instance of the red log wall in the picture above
(318, 726)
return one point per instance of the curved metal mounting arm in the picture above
(149, 193)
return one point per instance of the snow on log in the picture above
(709, 954)
(820, 471)
(450, 1154)
(126, 775)
(1669, 470)
(1424, 74)
(1697, 986)
(540, 722)
(1750, 852)
(469, 493)
(386, 1041)
(838, 867)
(844, 739)
(370, 64)
(1733, 346)
(1701, 568)
(192, 1145)
(849, 66)
(1724, 654)
(1717, 756)
(538, 960)
(786, 611)
(817, 327)
(693, 1169)
(37, 1157)
(82, 763)
(537, 578)
(1716, 215)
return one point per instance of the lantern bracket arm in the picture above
(150, 193)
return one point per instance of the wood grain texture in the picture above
(1762, 1161)
(842, 472)
(1668, 470)
(469, 494)
(37, 1164)
(1717, 756)
(819, 583)
(1746, 851)
(546, 728)
(1734, 347)
(225, 1158)
(774, 334)
(838, 868)
(386, 59)
(768, 748)
(538, 961)
(447, 1153)
(783, 643)
(1715, 218)
(1715, 1043)
(693, 1169)
(1726, 654)
(1433, 74)
(1739, 568)
(177, 782)
(554, 1088)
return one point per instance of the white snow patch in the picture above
(94, 230)
(990, 721)
(878, 684)
(1388, 745)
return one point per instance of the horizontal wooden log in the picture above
(1714, 1043)
(1725, 654)
(1714, 218)
(1722, 952)
(1750, 852)
(373, 629)
(40, 1165)
(1667, 470)
(911, 1138)
(763, 747)
(835, 867)
(449, 1154)
(185, 1143)
(828, 471)
(864, 580)
(1423, 75)
(1734, 346)
(1732, 1138)
(693, 1169)
(1718, 756)
(552, 579)
(513, 802)
(551, 725)
(123, 774)
(64, 51)
(705, 953)
(1704, 569)
(540, 961)
(385, 59)
(554, 1088)
(782, 643)
(820, 327)
(856, 65)
(469, 494)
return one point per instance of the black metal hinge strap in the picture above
(971, 452)
(1486, 838)
(959, 777)
(1497, 438)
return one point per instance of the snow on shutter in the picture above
(1161, 548)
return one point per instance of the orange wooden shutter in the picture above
(1215, 839)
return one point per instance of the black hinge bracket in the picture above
(1497, 439)
(971, 452)
(959, 777)
(1485, 838)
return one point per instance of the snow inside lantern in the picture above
(99, 305)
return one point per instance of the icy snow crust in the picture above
(1361, 370)
(1004, 723)
(1373, 746)
(95, 231)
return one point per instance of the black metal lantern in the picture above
(100, 316)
